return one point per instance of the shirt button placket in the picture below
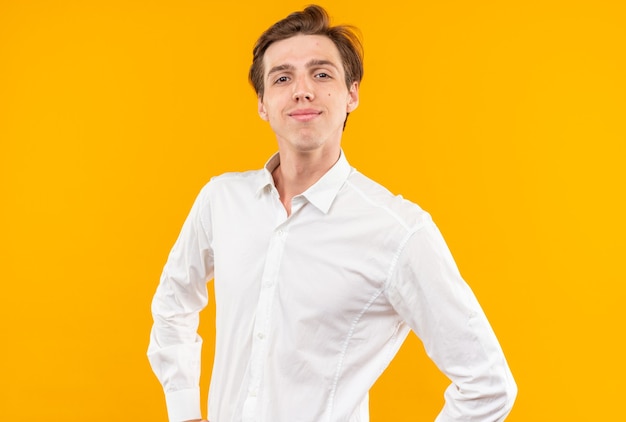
(262, 323)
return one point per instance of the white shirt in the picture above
(311, 308)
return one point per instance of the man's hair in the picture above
(313, 20)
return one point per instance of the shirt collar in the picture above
(267, 181)
(324, 191)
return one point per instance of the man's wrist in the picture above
(184, 405)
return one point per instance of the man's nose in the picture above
(303, 90)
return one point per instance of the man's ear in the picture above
(262, 111)
(353, 97)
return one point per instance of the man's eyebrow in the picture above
(280, 68)
(310, 63)
(318, 62)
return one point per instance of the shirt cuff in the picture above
(183, 405)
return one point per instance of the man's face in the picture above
(306, 99)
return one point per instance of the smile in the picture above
(304, 115)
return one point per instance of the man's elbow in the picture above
(506, 396)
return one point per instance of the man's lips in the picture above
(304, 115)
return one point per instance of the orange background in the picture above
(505, 120)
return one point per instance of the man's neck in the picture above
(300, 170)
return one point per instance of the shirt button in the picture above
(260, 336)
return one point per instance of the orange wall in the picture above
(505, 120)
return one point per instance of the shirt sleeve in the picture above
(428, 292)
(175, 347)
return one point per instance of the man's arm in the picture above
(175, 347)
(428, 292)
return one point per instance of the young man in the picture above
(319, 272)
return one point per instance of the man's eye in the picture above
(323, 75)
(281, 79)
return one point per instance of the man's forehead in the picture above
(301, 50)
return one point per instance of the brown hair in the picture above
(313, 20)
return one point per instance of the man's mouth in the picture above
(304, 115)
